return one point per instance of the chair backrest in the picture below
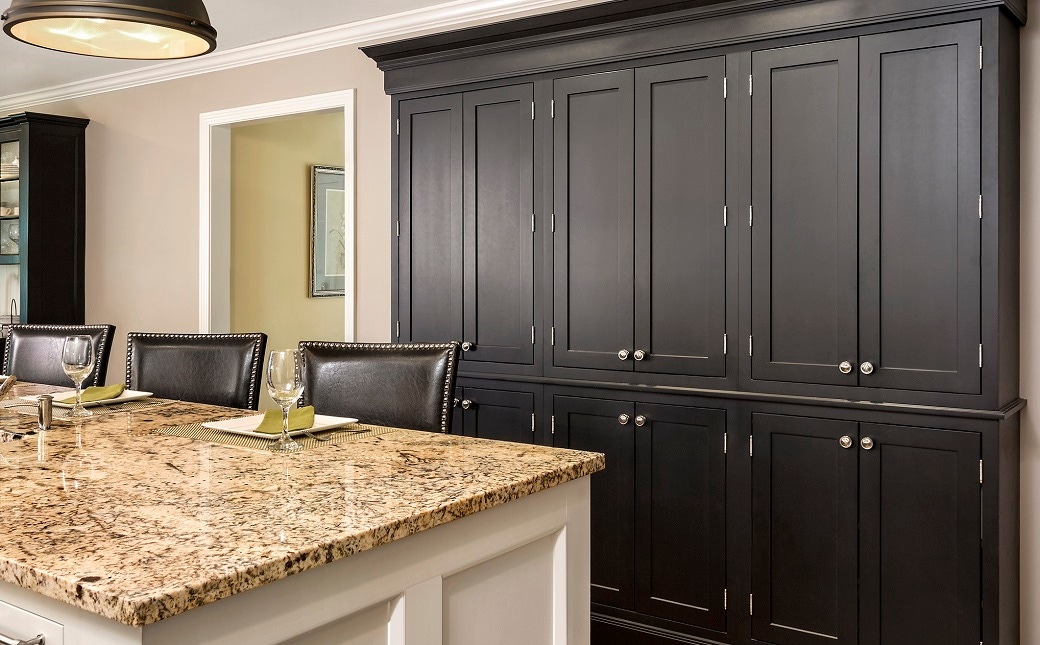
(33, 352)
(401, 385)
(219, 369)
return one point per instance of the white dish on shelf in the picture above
(248, 425)
(127, 395)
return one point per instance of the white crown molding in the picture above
(410, 23)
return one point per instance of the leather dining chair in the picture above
(33, 352)
(218, 369)
(400, 385)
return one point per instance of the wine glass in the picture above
(285, 386)
(77, 359)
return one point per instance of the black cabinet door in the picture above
(921, 546)
(593, 424)
(920, 164)
(804, 530)
(803, 223)
(681, 514)
(680, 233)
(429, 203)
(499, 414)
(593, 207)
(499, 237)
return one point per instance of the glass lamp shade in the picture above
(144, 29)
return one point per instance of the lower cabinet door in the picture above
(499, 414)
(605, 426)
(681, 514)
(920, 549)
(804, 530)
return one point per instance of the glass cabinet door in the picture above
(9, 198)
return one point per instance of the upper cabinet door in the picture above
(920, 272)
(498, 231)
(429, 200)
(593, 203)
(803, 226)
(680, 233)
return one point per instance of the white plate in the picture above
(248, 425)
(127, 395)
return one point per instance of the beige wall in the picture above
(271, 228)
(143, 182)
(142, 232)
(1030, 293)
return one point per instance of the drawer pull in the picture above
(7, 640)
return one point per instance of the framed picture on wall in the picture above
(328, 233)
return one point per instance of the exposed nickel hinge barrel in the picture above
(552, 424)
(552, 108)
(725, 89)
(532, 110)
(532, 422)
(532, 334)
(725, 344)
(751, 85)
(397, 329)
(398, 126)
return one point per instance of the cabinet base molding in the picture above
(608, 630)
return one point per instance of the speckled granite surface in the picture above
(139, 527)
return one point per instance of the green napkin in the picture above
(95, 393)
(299, 419)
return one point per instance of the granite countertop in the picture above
(112, 518)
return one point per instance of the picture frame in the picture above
(328, 253)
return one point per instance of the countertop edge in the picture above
(141, 611)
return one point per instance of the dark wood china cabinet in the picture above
(42, 218)
(763, 254)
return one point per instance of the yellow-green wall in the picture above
(270, 229)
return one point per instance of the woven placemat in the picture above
(27, 408)
(347, 434)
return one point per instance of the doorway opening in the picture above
(216, 180)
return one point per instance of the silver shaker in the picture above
(44, 411)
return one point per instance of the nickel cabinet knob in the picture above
(623, 419)
(845, 442)
(867, 443)
(623, 354)
(640, 421)
(639, 355)
(845, 367)
(867, 367)
(467, 404)
(466, 346)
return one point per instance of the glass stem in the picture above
(79, 394)
(285, 423)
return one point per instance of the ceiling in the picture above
(238, 23)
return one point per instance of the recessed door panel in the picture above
(499, 240)
(803, 224)
(681, 514)
(680, 313)
(430, 200)
(920, 245)
(593, 180)
(804, 541)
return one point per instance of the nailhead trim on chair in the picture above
(398, 346)
(98, 376)
(253, 384)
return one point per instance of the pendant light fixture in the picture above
(138, 29)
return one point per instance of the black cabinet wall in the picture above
(763, 231)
